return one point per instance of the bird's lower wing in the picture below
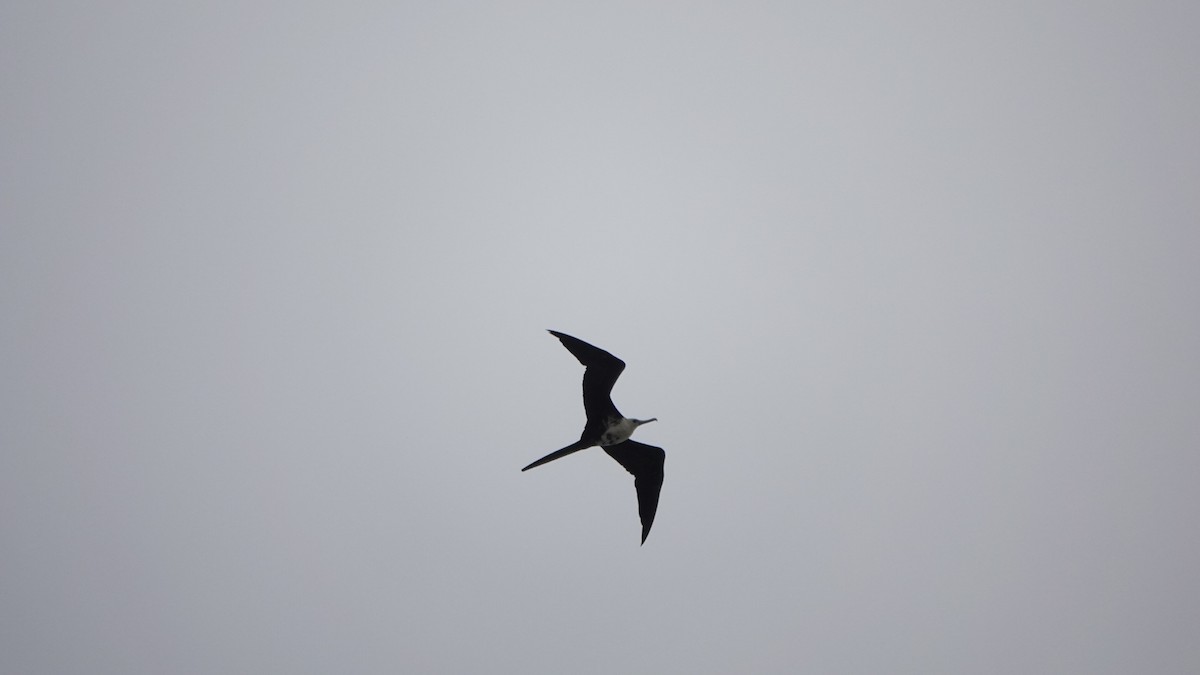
(574, 447)
(645, 462)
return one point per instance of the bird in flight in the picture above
(611, 430)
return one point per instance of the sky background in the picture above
(911, 288)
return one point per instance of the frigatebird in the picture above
(611, 430)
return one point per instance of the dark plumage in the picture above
(608, 428)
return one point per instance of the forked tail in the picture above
(574, 447)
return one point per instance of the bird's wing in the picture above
(645, 462)
(574, 447)
(602, 372)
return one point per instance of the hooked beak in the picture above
(641, 422)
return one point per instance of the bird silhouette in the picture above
(609, 429)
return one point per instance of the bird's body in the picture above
(609, 429)
(617, 430)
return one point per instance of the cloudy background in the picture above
(911, 287)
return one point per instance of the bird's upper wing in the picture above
(645, 462)
(602, 372)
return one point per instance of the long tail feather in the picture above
(574, 447)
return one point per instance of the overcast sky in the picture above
(911, 287)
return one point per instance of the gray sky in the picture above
(910, 286)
